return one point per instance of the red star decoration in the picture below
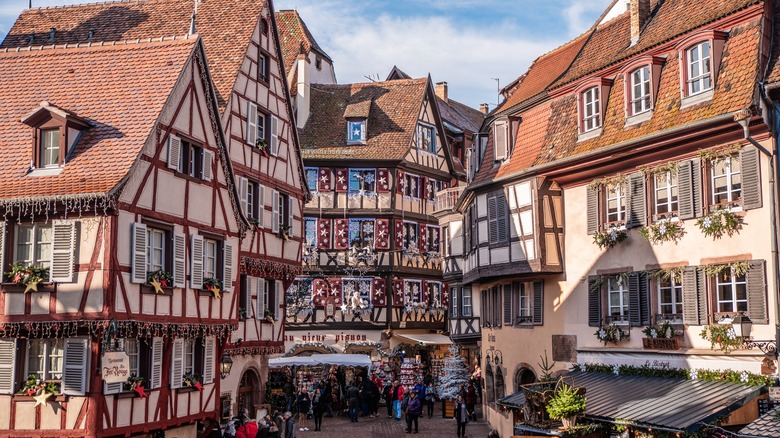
(139, 389)
(198, 386)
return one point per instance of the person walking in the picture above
(303, 403)
(289, 393)
(461, 416)
(289, 425)
(399, 396)
(353, 397)
(471, 400)
(387, 394)
(430, 398)
(318, 405)
(327, 396)
(413, 411)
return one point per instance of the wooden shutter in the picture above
(341, 231)
(155, 374)
(538, 303)
(139, 262)
(685, 190)
(422, 237)
(261, 286)
(382, 234)
(756, 292)
(179, 260)
(500, 140)
(445, 295)
(251, 123)
(323, 236)
(274, 136)
(335, 291)
(62, 251)
(424, 187)
(398, 292)
(243, 195)
(209, 351)
(342, 180)
(290, 231)
(696, 189)
(196, 261)
(323, 181)
(508, 304)
(399, 233)
(275, 211)
(383, 181)
(177, 363)
(378, 291)
(7, 365)
(208, 164)
(277, 299)
(260, 205)
(694, 297)
(592, 210)
(400, 181)
(594, 301)
(246, 285)
(2, 250)
(638, 299)
(502, 222)
(174, 152)
(751, 178)
(74, 370)
(227, 266)
(492, 219)
(637, 201)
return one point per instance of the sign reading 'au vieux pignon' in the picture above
(115, 366)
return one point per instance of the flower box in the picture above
(661, 343)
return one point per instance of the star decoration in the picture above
(382, 180)
(157, 286)
(382, 233)
(341, 180)
(343, 307)
(356, 132)
(324, 179)
(140, 390)
(217, 293)
(42, 398)
(198, 386)
(32, 286)
(324, 232)
(341, 232)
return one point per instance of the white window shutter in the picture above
(261, 292)
(251, 123)
(155, 379)
(138, 264)
(208, 161)
(179, 260)
(174, 152)
(290, 215)
(261, 206)
(277, 299)
(196, 262)
(227, 267)
(2, 250)
(209, 351)
(74, 372)
(274, 136)
(177, 363)
(500, 140)
(243, 194)
(62, 252)
(7, 365)
(249, 286)
(275, 211)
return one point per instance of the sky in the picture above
(476, 46)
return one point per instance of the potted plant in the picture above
(722, 335)
(611, 334)
(193, 381)
(212, 285)
(269, 317)
(28, 276)
(284, 232)
(566, 404)
(159, 279)
(663, 230)
(660, 337)
(262, 145)
(720, 222)
(610, 237)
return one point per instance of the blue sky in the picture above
(464, 42)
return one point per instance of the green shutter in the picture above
(751, 178)
(592, 210)
(756, 292)
(538, 303)
(594, 301)
(637, 203)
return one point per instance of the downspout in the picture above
(743, 118)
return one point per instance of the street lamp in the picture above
(742, 325)
(226, 365)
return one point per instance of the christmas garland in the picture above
(269, 269)
(731, 376)
(121, 329)
(254, 351)
(58, 204)
(302, 345)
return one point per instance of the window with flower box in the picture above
(619, 298)
(33, 244)
(616, 202)
(670, 305)
(44, 358)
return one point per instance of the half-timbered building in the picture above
(246, 66)
(375, 156)
(119, 235)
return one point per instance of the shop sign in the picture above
(115, 367)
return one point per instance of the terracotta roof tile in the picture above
(610, 43)
(295, 38)
(120, 89)
(223, 25)
(773, 75)
(458, 114)
(391, 122)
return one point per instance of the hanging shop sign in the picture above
(115, 367)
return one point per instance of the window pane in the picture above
(24, 244)
(311, 179)
(35, 358)
(43, 245)
(50, 147)
(54, 364)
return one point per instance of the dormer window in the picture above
(426, 138)
(591, 113)
(356, 131)
(501, 140)
(50, 148)
(640, 90)
(641, 77)
(700, 56)
(592, 102)
(55, 132)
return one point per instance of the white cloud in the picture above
(581, 14)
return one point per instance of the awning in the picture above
(766, 426)
(427, 338)
(513, 401)
(354, 360)
(677, 404)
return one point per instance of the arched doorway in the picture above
(249, 393)
(524, 376)
(500, 386)
(489, 388)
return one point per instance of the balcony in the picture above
(447, 199)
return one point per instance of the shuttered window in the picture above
(155, 375)
(617, 300)
(670, 294)
(666, 199)
(731, 292)
(498, 219)
(726, 180)
(615, 199)
(177, 363)
(501, 140)
(7, 365)
(74, 373)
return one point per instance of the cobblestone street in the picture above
(435, 427)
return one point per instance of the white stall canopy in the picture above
(351, 360)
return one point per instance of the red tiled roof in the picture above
(223, 25)
(458, 114)
(392, 120)
(773, 75)
(611, 42)
(120, 89)
(295, 38)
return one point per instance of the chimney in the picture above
(441, 91)
(640, 13)
(484, 108)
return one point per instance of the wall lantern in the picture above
(226, 365)
(742, 325)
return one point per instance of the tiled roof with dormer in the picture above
(118, 88)
(394, 108)
(461, 115)
(223, 25)
(295, 38)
